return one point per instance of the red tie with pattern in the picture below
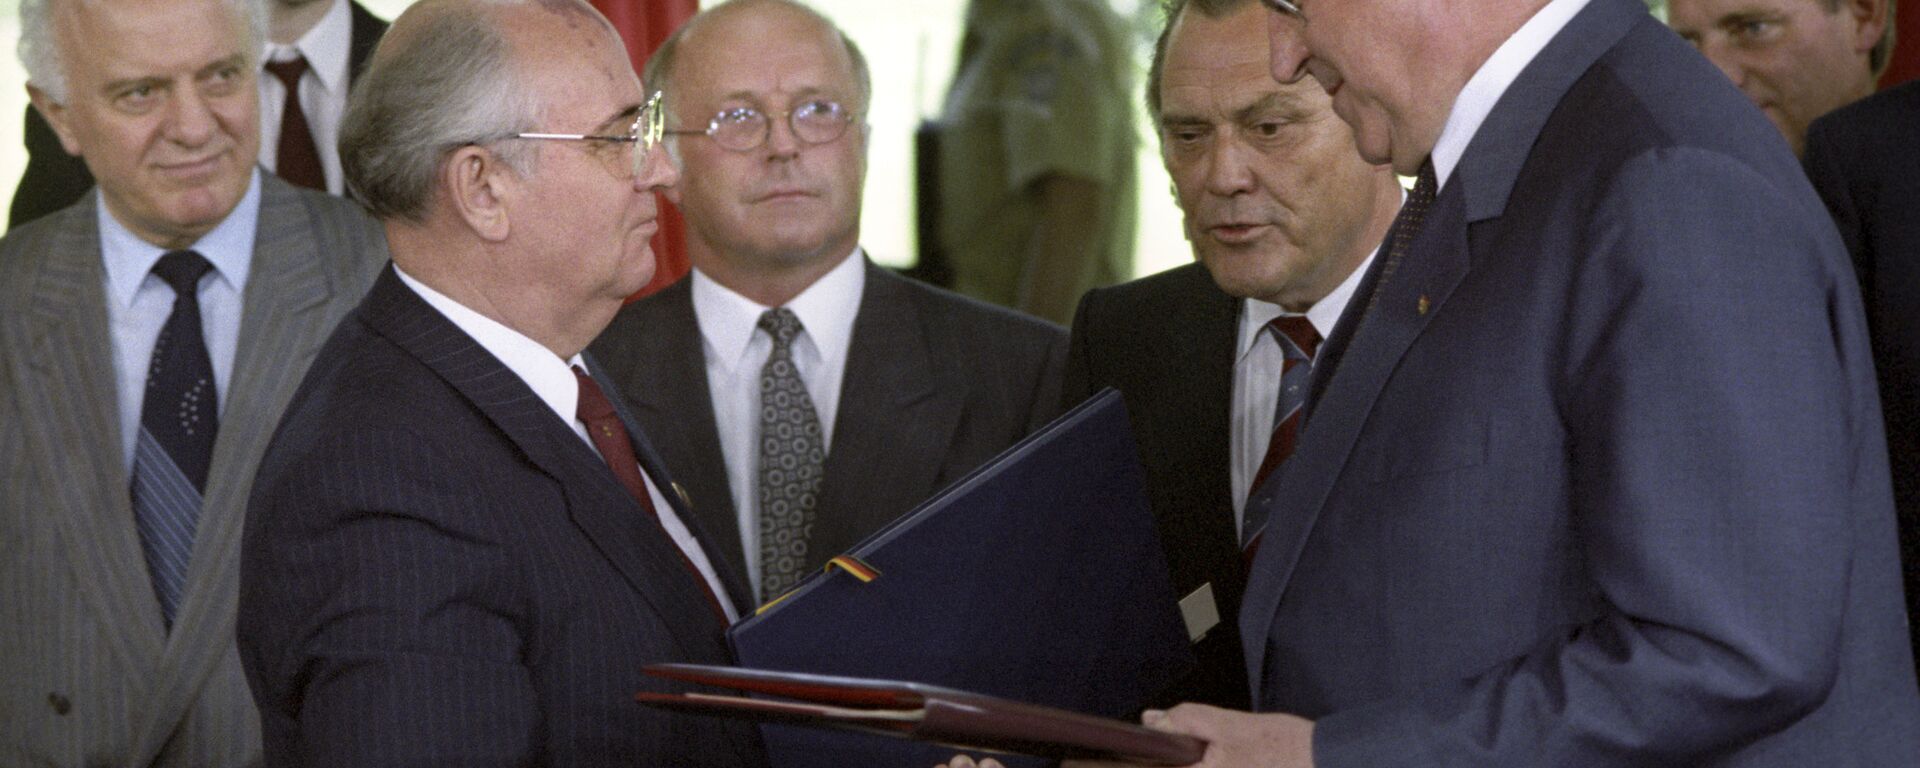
(1299, 340)
(609, 436)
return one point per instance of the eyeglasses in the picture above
(1288, 7)
(643, 135)
(745, 128)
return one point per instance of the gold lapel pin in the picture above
(681, 491)
(1423, 306)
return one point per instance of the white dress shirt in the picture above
(139, 302)
(1491, 81)
(323, 91)
(552, 380)
(1256, 380)
(736, 350)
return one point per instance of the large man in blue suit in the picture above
(1595, 475)
(458, 549)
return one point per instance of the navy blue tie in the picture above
(178, 419)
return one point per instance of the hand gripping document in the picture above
(1038, 578)
(928, 713)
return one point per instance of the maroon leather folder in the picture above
(920, 712)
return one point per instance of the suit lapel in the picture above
(725, 561)
(364, 33)
(283, 323)
(1434, 265)
(69, 406)
(667, 387)
(876, 470)
(596, 503)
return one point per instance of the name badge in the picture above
(1200, 612)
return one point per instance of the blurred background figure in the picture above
(1864, 159)
(1796, 59)
(1036, 155)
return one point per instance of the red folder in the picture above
(921, 712)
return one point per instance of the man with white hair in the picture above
(150, 335)
(457, 551)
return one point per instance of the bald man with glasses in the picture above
(803, 396)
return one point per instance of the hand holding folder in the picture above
(922, 713)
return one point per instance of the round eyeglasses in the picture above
(649, 124)
(744, 128)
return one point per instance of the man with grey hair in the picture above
(890, 389)
(150, 335)
(317, 46)
(458, 550)
(1283, 216)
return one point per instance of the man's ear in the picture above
(1870, 22)
(56, 115)
(479, 186)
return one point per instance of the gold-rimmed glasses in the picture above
(741, 129)
(649, 125)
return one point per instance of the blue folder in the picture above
(1039, 577)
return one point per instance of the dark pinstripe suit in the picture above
(88, 674)
(438, 571)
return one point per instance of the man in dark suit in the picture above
(1283, 215)
(883, 390)
(1596, 477)
(336, 36)
(1864, 160)
(458, 549)
(150, 336)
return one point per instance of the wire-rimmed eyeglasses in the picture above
(1288, 7)
(816, 121)
(648, 126)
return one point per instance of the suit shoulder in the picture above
(1885, 123)
(967, 315)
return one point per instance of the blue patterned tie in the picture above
(178, 420)
(792, 460)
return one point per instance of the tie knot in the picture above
(182, 271)
(781, 324)
(289, 71)
(593, 405)
(1298, 331)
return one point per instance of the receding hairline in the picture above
(829, 32)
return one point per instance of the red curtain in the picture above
(1906, 50)
(644, 24)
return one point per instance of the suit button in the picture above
(59, 703)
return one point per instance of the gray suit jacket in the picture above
(1599, 480)
(89, 676)
(935, 385)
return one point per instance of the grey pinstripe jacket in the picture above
(88, 676)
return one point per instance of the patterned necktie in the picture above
(297, 160)
(610, 438)
(1299, 340)
(793, 456)
(179, 417)
(1400, 236)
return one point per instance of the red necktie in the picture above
(609, 436)
(1299, 340)
(298, 159)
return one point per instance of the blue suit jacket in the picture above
(437, 570)
(1600, 479)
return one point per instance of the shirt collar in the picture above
(1491, 81)
(1324, 314)
(325, 47)
(550, 377)
(228, 246)
(826, 310)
